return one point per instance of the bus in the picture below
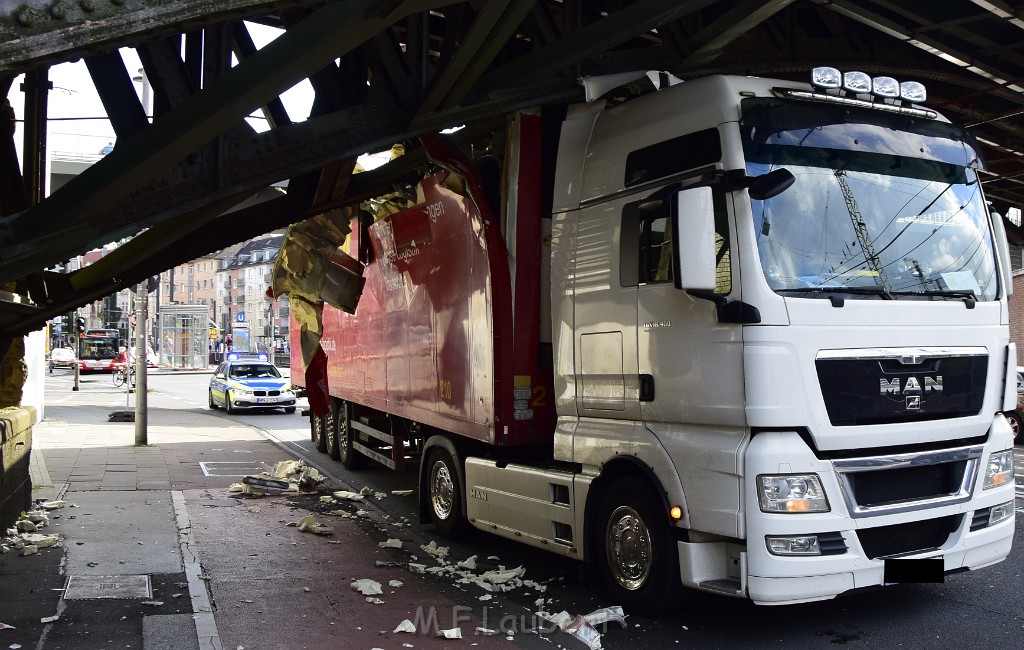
(98, 350)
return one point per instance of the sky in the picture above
(79, 128)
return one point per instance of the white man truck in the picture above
(743, 335)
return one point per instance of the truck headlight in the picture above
(999, 470)
(791, 493)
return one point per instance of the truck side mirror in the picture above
(693, 218)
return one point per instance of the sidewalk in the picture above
(157, 553)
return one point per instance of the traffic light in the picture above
(80, 325)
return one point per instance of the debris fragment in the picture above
(454, 633)
(380, 495)
(469, 563)
(40, 541)
(434, 550)
(391, 543)
(265, 484)
(252, 508)
(152, 603)
(401, 493)
(405, 626)
(417, 568)
(373, 600)
(367, 587)
(484, 631)
(366, 490)
(583, 627)
(49, 619)
(52, 505)
(395, 583)
(5, 626)
(345, 495)
(308, 524)
(29, 549)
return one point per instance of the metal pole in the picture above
(141, 406)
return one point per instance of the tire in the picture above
(51, 368)
(347, 454)
(316, 424)
(444, 493)
(213, 405)
(227, 402)
(331, 430)
(1017, 424)
(119, 379)
(289, 409)
(634, 549)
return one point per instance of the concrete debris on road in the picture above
(454, 633)
(24, 536)
(308, 524)
(405, 626)
(287, 476)
(346, 495)
(367, 587)
(584, 627)
(401, 493)
(392, 542)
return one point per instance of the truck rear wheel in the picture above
(347, 454)
(636, 555)
(316, 425)
(331, 430)
(444, 493)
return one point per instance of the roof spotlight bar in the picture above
(861, 83)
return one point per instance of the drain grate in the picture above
(232, 468)
(93, 587)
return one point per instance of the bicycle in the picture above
(124, 374)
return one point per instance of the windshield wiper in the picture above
(967, 295)
(866, 291)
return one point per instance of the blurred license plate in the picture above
(900, 570)
(266, 400)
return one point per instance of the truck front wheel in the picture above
(444, 493)
(637, 557)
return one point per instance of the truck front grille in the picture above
(879, 485)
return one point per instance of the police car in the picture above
(250, 381)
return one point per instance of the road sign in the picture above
(240, 317)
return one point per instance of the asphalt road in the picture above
(984, 608)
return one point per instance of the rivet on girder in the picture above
(57, 11)
(87, 5)
(24, 19)
(117, 2)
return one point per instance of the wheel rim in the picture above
(343, 446)
(442, 490)
(628, 544)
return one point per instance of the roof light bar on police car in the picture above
(859, 82)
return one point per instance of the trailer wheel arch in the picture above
(446, 443)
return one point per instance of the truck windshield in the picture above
(885, 206)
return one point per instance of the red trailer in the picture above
(437, 341)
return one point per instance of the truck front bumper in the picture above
(957, 529)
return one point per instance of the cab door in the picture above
(690, 362)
